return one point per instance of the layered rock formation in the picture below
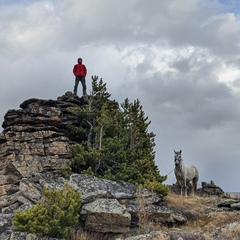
(34, 139)
(33, 150)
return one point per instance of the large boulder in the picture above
(92, 187)
(106, 215)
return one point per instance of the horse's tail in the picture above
(195, 179)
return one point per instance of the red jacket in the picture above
(80, 70)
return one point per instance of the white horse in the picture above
(185, 174)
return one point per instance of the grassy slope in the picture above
(204, 215)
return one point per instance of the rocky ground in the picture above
(208, 218)
(117, 210)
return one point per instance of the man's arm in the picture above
(74, 70)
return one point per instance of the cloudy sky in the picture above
(181, 59)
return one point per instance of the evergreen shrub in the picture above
(54, 216)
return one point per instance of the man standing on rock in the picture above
(80, 72)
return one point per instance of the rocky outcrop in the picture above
(33, 150)
(103, 193)
(108, 206)
(210, 189)
(34, 139)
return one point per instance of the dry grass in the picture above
(142, 212)
(203, 214)
(85, 235)
(233, 233)
(191, 202)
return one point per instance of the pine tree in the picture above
(118, 146)
(139, 166)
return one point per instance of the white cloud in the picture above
(179, 58)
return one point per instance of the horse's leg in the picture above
(193, 187)
(194, 183)
(195, 180)
(185, 186)
(181, 186)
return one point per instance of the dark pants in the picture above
(83, 81)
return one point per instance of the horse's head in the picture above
(177, 157)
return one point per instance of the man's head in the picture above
(79, 60)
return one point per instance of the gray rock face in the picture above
(92, 188)
(106, 215)
(34, 140)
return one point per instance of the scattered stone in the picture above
(227, 203)
(235, 206)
